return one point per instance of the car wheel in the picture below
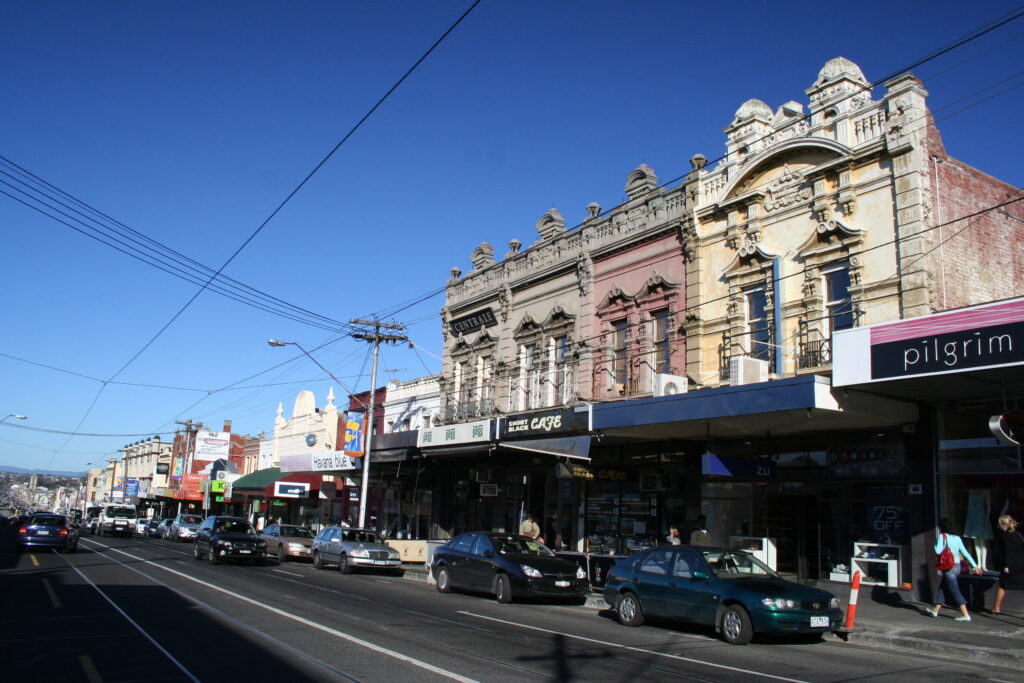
(443, 580)
(736, 626)
(282, 555)
(196, 555)
(213, 557)
(627, 606)
(343, 566)
(502, 589)
(317, 562)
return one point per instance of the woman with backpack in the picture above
(949, 549)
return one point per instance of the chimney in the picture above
(227, 426)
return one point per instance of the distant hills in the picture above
(21, 470)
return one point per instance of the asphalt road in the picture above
(145, 610)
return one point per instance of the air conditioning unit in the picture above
(222, 475)
(618, 388)
(747, 370)
(649, 482)
(666, 385)
(483, 476)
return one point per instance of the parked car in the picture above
(288, 540)
(183, 527)
(508, 566)
(140, 526)
(47, 531)
(228, 538)
(153, 528)
(164, 527)
(354, 549)
(730, 590)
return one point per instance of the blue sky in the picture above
(191, 122)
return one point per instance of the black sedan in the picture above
(728, 589)
(506, 566)
(48, 531)
(229, 538)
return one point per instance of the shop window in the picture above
(531, 377)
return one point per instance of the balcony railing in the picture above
(541, 390)
(814, 354)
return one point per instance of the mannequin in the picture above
(978, 526)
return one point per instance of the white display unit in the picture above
(761, 547)
(874, 556)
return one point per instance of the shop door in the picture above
(793, 521)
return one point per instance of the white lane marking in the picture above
(690, 635)
(634, 649)
(281, 571)
(320, 627)
(51, 592)
(133, 623)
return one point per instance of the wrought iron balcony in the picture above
(814, 354)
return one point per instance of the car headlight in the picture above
(261, 544)
(833, 603)
(530, 571)
(581, 573)
(778, 603)
(360, 552)
(394, 554)
(224, 544)
(295, 546)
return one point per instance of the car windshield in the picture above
(520, 545)
(121, 513)
(735, 565)
(296, 532)
(46, 520)
(235, 526)
(192, 519)
(357, 536)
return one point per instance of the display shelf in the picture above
(761, 547)
(878, 563)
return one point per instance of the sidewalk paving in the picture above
(885, 619)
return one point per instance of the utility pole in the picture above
(186, 458)
(375, 338)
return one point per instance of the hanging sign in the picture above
(355, 432)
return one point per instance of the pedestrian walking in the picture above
(1012, 576)
(947, 540)
(701, 535)
(674, 537)
(529, 527)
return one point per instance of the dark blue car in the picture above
(48, 531)
(506, 566)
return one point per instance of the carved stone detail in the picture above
(789, 189)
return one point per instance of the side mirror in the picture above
(700, 576)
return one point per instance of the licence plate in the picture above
(43, 533)
(244, 552)
(380, 561)
(561, 584)
(819, 622)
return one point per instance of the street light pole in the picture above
(20, 417)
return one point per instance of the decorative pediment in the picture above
(460, 345)
(614, 295)
(526, 326)
(657, 282)
(550, 224)
(485, 338)
(558, 317)
(830, 232)
(750, 254)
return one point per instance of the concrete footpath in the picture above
(885, 619)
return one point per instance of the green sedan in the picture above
(728, 589)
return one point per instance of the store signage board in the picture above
(955, 341)
(466, 432)
(745, 468)
(290, 489)
(471, 323)
(212, 445)
(329, 461)
(546, 422)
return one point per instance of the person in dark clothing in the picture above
(1012, 576)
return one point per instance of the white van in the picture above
(116, 519)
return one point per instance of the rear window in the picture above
(191, 519)
(46, 520)
(122, 513)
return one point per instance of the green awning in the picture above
(259, 479)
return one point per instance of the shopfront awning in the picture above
(389, 455)
(466, 449)
(577, 447)
(259, 479)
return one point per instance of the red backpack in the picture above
(944, 561)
